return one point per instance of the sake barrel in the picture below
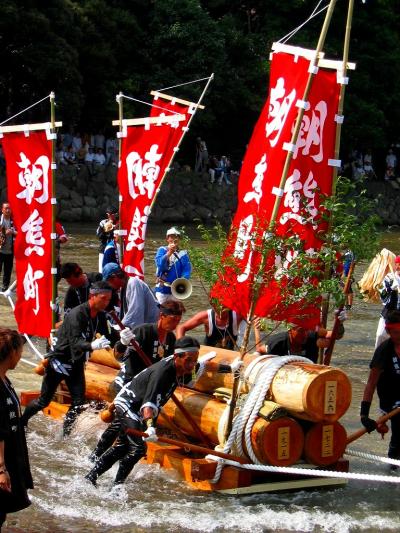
(277, 442)
(307, 391)
(105, 357)
(324, 443)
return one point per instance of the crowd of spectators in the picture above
(93, 150)
(360, 166)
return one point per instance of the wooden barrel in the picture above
(99, 379)
(105, 357)
(307, 391)
(277, 442)
(324, 443)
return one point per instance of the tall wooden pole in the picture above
(257, 282)
(346, 47)
(53, 214)
(120, 240)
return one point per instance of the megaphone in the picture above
(181, 288)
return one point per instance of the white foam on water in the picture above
(155, 499)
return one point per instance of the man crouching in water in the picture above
(138, 405)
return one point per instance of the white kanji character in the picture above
(31, 178)
(150, 171)
(279, 107)
(31, 288)
(260, 170)
(33, 230)
(293, 199)
(137, 231)
(311, 132)
(243, 239)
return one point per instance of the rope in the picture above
(26, 109)
(182, 84)
(306, 471)
(245, 419)
(27, 362)
(151, 105)
(315, 13)
(372, 457)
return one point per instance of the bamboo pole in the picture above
(192, 447)
(346, 47)
(146, 360)
(257, 284)
(53, 215)
(336, 324)
(197, 106)
(120, 240)
(357, 434)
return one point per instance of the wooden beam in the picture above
(148, 120)
(29, 127)
(309, 54)
(178, 100)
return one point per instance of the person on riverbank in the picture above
(137, 302)
(139, 402)
(15, 474)
(221, 328)
(171, 263)
(7, 235)
(76, 339)
(157, 341)
(384, 376)
(389, 293)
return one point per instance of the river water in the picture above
(155, 500)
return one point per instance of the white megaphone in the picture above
(181, 288)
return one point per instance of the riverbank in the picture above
(83, 195)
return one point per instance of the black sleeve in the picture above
(70, 300)
(380, 355)
(4, 418)
(76, 324)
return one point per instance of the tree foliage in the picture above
(89, 50)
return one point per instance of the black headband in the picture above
(167, 311)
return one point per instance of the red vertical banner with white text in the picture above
(309, 176)
(146, 152)
(28, 160)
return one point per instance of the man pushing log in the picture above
(138, 405)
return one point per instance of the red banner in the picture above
(310, 174)
(28, 161)
(147, 150)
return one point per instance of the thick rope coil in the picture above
(245, 419)
(372, 457)
(307, 471)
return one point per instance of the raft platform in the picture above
(197, 472)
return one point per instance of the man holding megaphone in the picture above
(172, 263)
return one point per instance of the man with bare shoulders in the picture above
(221, 328)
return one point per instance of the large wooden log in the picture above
(105, 357)
(99, 380)
(278, 442)
(307, 391)
(325, 443)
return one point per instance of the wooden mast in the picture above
(285, 172)
(345, 66)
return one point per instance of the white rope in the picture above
(26, 109)
(306, 471)
(182, 84)
(372, 457)
(314, 14)
(245, 419)
(27, 362)
(147, 103)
